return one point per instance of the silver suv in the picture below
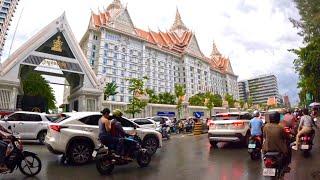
(28, 125)
(230, 127)
(76, 136)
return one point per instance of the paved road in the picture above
(182, 157)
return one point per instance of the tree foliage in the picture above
(136, 104)
(307, 63)
(110, 90)
(166, 98)
(153, 97)
(230, 100)
(35, 85)
(180, 92)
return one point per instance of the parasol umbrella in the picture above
(314, 104)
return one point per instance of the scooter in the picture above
(106, 159)
(274, 165)
(254, 147)
(165, 132)
(306, 142)
(28, 162)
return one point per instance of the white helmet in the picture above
(256, 113)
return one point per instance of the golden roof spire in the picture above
(115, 5)
(178, 23)
(215, 51)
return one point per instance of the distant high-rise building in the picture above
(286, 101)
(7, 9)
(259, 89)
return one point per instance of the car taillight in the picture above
(56, 127)
(287, 130)
(238, 124)
(268, 163)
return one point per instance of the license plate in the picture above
(252, 146)
(269, 172)
(94, 153)
(305, 146)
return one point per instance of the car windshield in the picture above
(57, 118)
(156, 119)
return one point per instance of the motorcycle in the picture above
(28, 162)
(274, 165)
(254, 147)
(165, 132)
(106, 159)
(306, 142)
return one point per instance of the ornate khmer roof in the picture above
(179, 39)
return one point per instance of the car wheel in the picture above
(151, 144)
(80, 153)
(214, 144)
(41, 136)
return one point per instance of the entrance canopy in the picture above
(52, 51)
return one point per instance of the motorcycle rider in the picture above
(275, 138)
(256, 125)
(305, 127)
(105, 136)
(164, 127)
(4, 134)
(117, 132)
(288, 119)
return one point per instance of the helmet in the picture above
(117, 113)
(274, 117)
(256, 113)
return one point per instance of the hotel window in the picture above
(123, 56)
(114, 80)
(104, 70)
(114, 64)
(95, 37)
(122, 73)
(106, 45)
(131, 52)
(121, 98)
(113, 98)
(105, 53)
(122, 89)
(91, 62)
(116, 48)
(94, 47)
(93, 54)
(104, 61)
(123, 65)
(114, 72)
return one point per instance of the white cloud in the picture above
(254, 34)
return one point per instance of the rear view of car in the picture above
(230, 127)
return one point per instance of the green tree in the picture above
(136, 103)
(197, 99)
(241, 102)
(35, 85)
(209, 101)
(217, 100)
(166, 98)
(230, 100)
(110, 90)
(180, 92)
(309, 24)
(307, 63)
(153, 98)
(250, 102)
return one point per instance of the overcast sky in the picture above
(255, 34)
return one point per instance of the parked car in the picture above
(76, 136)
(230, 127)
(145, 123)
(158, 119)
(27, 125)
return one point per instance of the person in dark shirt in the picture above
(4, 134)
(118, 132)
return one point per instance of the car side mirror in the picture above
(5, 118)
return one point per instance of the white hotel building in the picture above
(116, 49)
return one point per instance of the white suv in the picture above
(27, 125)
(76, 136)
(230, 127)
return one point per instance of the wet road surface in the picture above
(183, 157)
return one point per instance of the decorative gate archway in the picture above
(53, 51)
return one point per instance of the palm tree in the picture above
(110, 90)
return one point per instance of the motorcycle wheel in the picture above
(143, 159)
(30, 165)
(306, 153)
(104, 166)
